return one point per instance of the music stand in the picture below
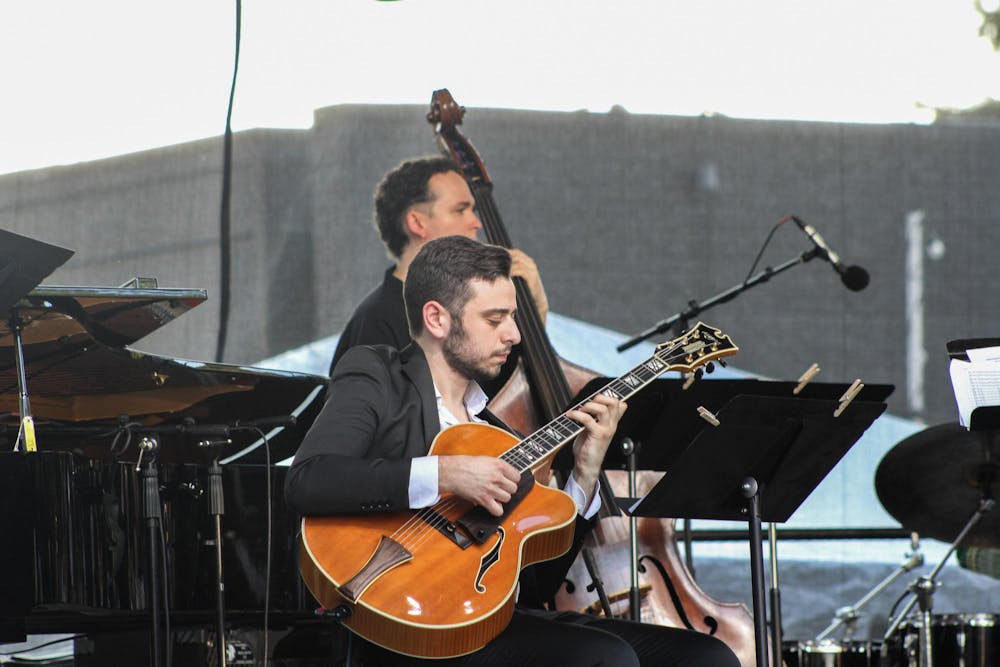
(663, 416)
(762, 461)
(24, 263)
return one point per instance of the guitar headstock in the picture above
(695, 347)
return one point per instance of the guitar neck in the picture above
(548, 439)
(688, 352)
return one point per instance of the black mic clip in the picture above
(854, 277)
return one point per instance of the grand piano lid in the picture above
(61, 317)
(90, 392)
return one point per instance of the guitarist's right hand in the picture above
(483, 480)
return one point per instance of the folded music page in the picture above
(976, 382)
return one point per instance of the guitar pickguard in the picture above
(480, 524)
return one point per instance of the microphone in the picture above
(265, 422)
(854, 277)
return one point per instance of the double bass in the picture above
(539, 389)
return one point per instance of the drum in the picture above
(957, 640)
(831, 653)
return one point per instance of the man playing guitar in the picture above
(367, 451)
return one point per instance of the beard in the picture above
(461, 357)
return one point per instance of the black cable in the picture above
(762, 248)
(267, 558)
(225, 249)
(895, 605)
(115, 449)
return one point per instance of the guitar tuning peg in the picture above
(722, 363)
(698, 373)
(709, 367)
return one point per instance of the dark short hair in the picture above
(443, 270)
(404, 186)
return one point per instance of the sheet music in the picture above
(976, 382)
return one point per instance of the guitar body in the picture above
(442, 600)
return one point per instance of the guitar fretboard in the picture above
(562, 429)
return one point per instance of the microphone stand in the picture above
(681, 319)
(152, 515)
(694, 308)
(216, 508)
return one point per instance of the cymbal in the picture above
(932, 482)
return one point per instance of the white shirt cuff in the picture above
(579, 497)
(423, 489)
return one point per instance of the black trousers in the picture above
(570, 639)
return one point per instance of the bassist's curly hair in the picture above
(401, 189)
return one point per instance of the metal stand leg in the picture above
(749, 488)
(216, 508)
(634, 592)
(153, 517)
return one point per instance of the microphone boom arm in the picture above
(695, 308)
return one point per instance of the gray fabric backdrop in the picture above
(629, 217)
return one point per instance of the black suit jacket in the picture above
(381, 413)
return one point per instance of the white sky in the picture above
(85, 80)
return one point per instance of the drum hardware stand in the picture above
(153, 516)
(848, 616)
(923, 588)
